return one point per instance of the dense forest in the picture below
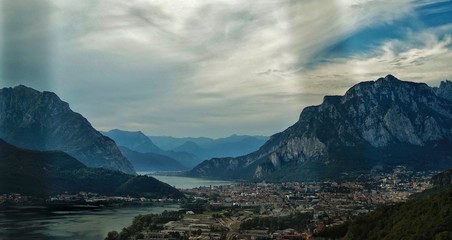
(44, 173)
(420, 218)
(148, 222)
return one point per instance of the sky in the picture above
(218, 67)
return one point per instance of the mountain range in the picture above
(151, 162)
(140, 144)
(42, 121)
(179, 153)
(44, 173)
(207, 148)
(376, 124)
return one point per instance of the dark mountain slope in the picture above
(190, 147)
(41, 121)
(383, 122)
(41, 173)
(138, 142)
(135, 141)
(169, 143)
(443, 179)
(148, 162)
(422, 218)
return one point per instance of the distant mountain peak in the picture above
(24, 88)
(389, 77)
(445, 83)
(116, 130)
(135, 140)
(42, 121)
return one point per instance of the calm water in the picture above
(39, 223)
(188, 183)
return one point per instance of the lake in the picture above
(187, 182)
(40, 223)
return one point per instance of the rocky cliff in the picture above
(42, 121)
(383, 122)
(444, 90)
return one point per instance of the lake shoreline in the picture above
(81, 206)
(84, 219)
(184, 182)
(61, 223)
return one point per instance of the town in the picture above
(248, 210)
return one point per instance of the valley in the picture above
(341, 160)
(225, 120)
(278, 210)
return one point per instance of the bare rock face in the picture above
(444, 90)
(375, 122)
(42, 121)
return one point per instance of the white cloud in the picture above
(426, 58)
(219, 67)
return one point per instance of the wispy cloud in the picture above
(228, 66)
(424, 58)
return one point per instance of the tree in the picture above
(113, 235)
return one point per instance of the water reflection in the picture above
(42, 223)
(187, 182)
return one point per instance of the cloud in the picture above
(227, 66)
(423, 59)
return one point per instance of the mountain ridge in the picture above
(368, 120)
(42, 121)
(207, 148)
(444, 90)
(45, 173)
(138, 142)
(149, 162)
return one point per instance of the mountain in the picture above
(138, 142)
(190, 147)
(148, 162)
(444, 90)
(233, 146)
(170, 143)
(44, 173)
(42, 121)
(135, 141)
(206, 148)
(378, 123)
(187, 159)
